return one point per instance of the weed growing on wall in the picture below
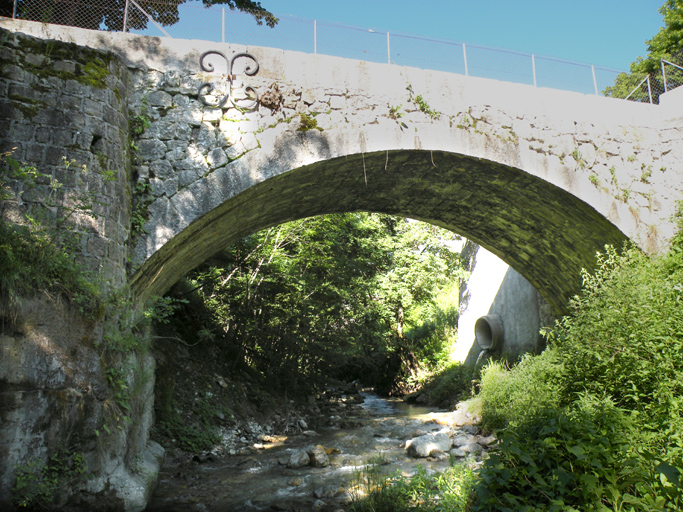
(39, 483)
(422, 104)
(37, 249)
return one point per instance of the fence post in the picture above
(533, 68)
(14, 10)
(661, 61)
(315, 36)
(125, 18)
(388, 50)
(649, 89)
(595, 82)
(464, 56)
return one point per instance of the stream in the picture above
(261, 480)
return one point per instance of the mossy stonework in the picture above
(62, 102)
(541, 178)
(510, 166)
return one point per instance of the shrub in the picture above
(454, 382)
(375, 491)
(531, 386)
(625, 339)
(39, 484)
(561, 459)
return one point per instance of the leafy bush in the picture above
(565, 449)
(523, 392)
(453, 382)
(38, 483)
(561, 459)
(625, 339)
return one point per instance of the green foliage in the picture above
(450, 383)
(308, 122)
(38, 483)
(515, 395)
(422, 104)
(37, 252)
(376, 491)
(424, 107)
(667, 44)
(140, 214)
(561, 460)
(138, 123)
(110, 15)
(199, 434)
(625, 340)
(337, 294)
(190, 438)
(595, 422)
(119, 385)
(395, 112)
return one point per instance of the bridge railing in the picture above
(192, 20)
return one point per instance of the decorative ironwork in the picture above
(250, 70)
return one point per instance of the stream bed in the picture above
(261, 480)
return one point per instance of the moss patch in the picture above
(92, 66)
(27, 106)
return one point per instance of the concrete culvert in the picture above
(488, 332)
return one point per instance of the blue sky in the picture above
(609, 33)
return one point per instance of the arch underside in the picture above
(543, 232)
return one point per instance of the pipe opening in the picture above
(488, 332)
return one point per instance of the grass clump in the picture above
(512, 396)
(376, 491)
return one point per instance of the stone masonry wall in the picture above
(63, 109)
(194, 162)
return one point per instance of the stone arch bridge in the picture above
(542, 178)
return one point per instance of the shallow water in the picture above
(258, 481)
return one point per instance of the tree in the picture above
(300, 301)
(667, 44)
(108, 14)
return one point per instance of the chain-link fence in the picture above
(187, 19)
(648, 87)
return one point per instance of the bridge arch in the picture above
(541, 178)
(544, 232)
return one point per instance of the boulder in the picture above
(472, 448)
(422, 446)
(298, 459)
(458, 452)
(487, 441)
(318, 456)
(459, 441)
(438, 455)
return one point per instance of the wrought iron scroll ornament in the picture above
(250, 70)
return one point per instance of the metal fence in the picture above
(192, 20)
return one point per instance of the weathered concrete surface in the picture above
(541, 178)
(495, 288)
